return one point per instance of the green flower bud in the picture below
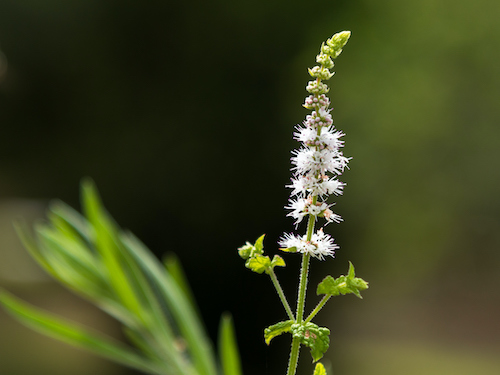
(321, 73)
(246, 250)
(337, 42)
(326, 50)
(315, 87)
(324, 60)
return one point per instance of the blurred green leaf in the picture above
(179, 306)
(114, 270)
(72, 333)
(174, 268)
(228, 347)
(105, 231)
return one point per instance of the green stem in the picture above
(294, 357)
(281, 294)
(320, 305)
(302, 287)
(294, 351)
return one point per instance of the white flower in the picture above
(333, 186)
(304, 206)
(299, 209)
(314, 161)
(330, 216)
(331, 139)
(311, 184)
(320, 245)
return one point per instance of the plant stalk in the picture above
(294, 351)
(277, 285)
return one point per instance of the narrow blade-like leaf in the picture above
(76, 335)
(228, 347)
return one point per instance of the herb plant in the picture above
(316, 167)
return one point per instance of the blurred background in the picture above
(182, 113)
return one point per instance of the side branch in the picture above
(277, 285)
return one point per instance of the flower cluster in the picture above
(319, 161)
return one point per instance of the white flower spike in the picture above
(319, 161)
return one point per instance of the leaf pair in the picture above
(309, 334)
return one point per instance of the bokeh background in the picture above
(182, 112)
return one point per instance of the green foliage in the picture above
(259, 263)
(342, 285)
(277, 329)
(228, 348)
(319, 369)
(309, 334)
(314, 337)
(255, 260)
(111, 268)
(73, 334)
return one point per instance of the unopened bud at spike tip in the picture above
(337, 42)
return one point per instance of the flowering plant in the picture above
(92, 256)
(316, 167)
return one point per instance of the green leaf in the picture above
(178, 304)
(246, 250)
(277, 262)
(319, 369)
(314, 337)
(30, 244)
(332, 286)
(355, 284)
(258, 264)
(106, 244)
(351, 273)
(174, 268)
(277, 329)
(74, 334)
(228, 347)
(343, 284)
(259, 245)
(289, 249)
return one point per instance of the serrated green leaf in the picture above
(314, 337)
(319, 369)
(342, 285)
(332, 286)
(258, 264)
(355, 284)
(277, 262)
(74, 334)
(276, 330)
(228, 347)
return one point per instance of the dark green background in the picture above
(182, 112)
